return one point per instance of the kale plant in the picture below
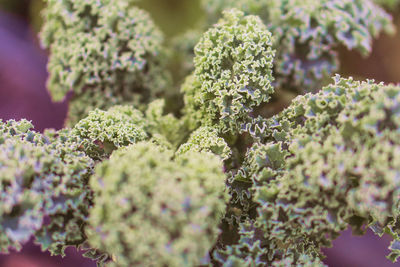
(231, 144)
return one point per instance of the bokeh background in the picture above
(23, 94)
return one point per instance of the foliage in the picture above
(306, 34)
(206, 139)
(168, 209)
(327, 161)
(234, 171)
(116, 52)
(233, 72)
(42, 176)
(101, 132)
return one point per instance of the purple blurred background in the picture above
(23, 76)
(23, 95)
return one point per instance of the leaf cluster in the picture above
(236, 170)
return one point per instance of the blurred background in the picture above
(23, 94)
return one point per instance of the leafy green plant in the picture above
(216, 173)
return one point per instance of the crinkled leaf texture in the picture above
(155, 210)
(42, 176)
